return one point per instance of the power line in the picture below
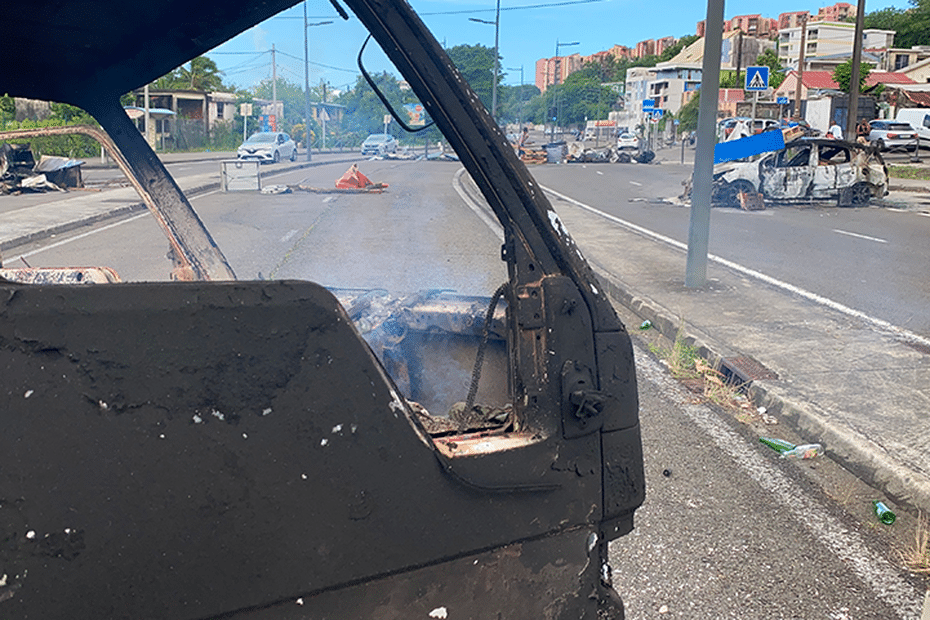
(467, 11)
(318, 64)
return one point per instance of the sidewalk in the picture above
(22, 222)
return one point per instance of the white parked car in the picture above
(627, 141)
(887, 135)
(271, 146)
(379, 144)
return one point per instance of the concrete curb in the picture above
(849, 450)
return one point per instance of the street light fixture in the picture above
(307, 79)
(497, 24)
(555, 81)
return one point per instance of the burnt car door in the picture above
(834, 170)
(221, 448)
(789, 174)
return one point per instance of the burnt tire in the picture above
(860, 194)
(728, 195)
(624, 158)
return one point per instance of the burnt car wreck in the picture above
(275, 449)
(806, 170)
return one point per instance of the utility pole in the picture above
(497, 27)
(520, 117)
(274, 88)
(699, 226)
(307, 84)
(797, 92)
(739, 57)
(306, 87)
(853, 108)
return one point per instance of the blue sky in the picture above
(526, 34)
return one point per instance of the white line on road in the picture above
(289, 234)
(852, 234)
(96, 230)
(636, 183)
(600, 173)
(492, 223)
(645, 232)
(845, 544)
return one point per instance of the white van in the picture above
(919, 118)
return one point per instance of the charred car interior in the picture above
(217, 448)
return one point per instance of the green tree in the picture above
(688, 114)
(769, 58)
(291, 95)
(512, 101)
(476, 64)
(580, 97)
(911, 26)
(200, 73)
(842, 75)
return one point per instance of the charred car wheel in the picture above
(860, 194)
(728, 194)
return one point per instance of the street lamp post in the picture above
(307, 79)
(555, 81)
(496, 23)
(520, 118)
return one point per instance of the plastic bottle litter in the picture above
(790, 451)
(807, 451)
(883, 513)
(646, 324)
(777, 444)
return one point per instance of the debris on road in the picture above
(19, 171)
(883, 513)
(354, 179)
(534, 156)
(276, 189)
(778, 445)
(645, 324)
(789, 450)
(807, 451)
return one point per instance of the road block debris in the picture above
(354, 179)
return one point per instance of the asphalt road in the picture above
(870, 259)
(730, 532)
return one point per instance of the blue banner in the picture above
(747, 147)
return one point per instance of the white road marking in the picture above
(636, 183)
(289, 234)
(492, 223)
(852, 234)
(819, 299)
(600, 173)
(875, 570)
(97, 230)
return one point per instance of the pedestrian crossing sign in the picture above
(757, 78)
